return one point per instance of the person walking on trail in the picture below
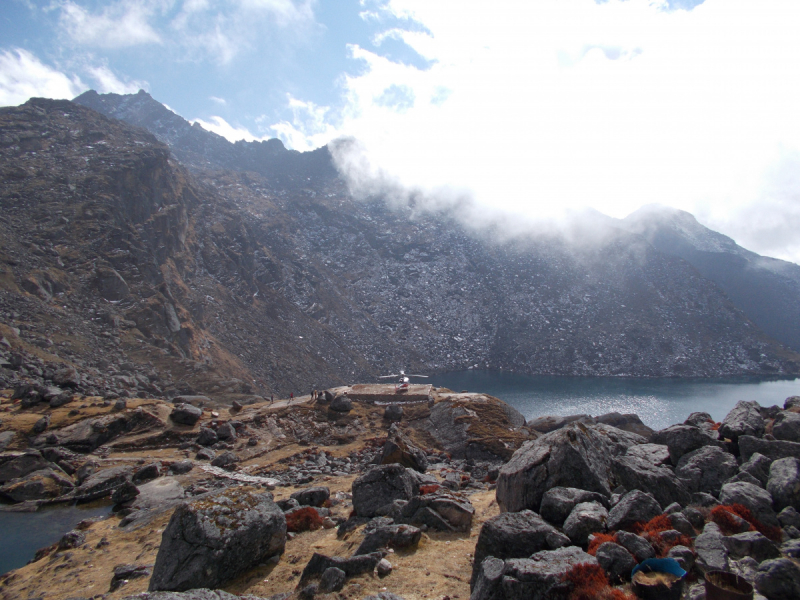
(291, 397)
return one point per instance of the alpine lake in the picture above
(659, 402)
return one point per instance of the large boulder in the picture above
(627, 422)
(757, 466)
(772, 449)
(550, 423)
(633, 472)
(442, 512)
(515, 535)
(586, 518)
(750, 543)
(103, 483)
(312, 496)
(743, 419)
(639, 547)
(186, 414)
(39, 485)
(208, 542)
(376, 490)
(397, 537)
(778, 579)
(682, 439)
(89, 434)
(711, 550)
(757, 500)
(784, 483)
(558, 502)
(655, 454)
(23, 464)
(706, 469)
(700, 419)
(539, 577)
(401, 450)
(341, 404)
(634, 507)
(616, 561)
(576, 456)
(786, 426)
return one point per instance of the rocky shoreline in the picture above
(454, 496)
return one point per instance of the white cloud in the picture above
(221, 127)
(217, 100)
(107, 82)
(23, 76)
(308, 129)
(119, 25)
(540, 107)
(224, 30)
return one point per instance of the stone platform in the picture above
(388, 393)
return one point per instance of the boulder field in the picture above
(454, 496)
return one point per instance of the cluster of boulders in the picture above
(714, 496)
(36, 381)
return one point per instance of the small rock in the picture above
(72, 539)
(384, 568)
(206, 454)
(186, 414)
(225, 460)
(332, 580)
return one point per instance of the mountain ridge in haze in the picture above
(216, 281)
(766, 289)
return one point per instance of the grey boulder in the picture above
(376, 490)
(209, 542)
(515, 535)
(711, 550)
(634, 507)
(682, 439)
(616, 561)
(743, 419)
(778, 579)
(186, 414)
(754, 498)
(312, 496)
(538, 577)
(558, 502)
(772, 449)
(751, 543)
(784, 483)
(397, 537)
(757, 465)
(707, 469)
(787, 426)
(577, 456)
(633, 472)
(399, 449)
(341, 404)
(639, 547)
(586, 518)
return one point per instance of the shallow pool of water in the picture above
(22, 534)
(658, 402)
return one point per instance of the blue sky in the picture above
(525, 107)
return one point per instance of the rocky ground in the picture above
(455, 496)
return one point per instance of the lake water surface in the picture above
(22, 534)
(658, 402)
